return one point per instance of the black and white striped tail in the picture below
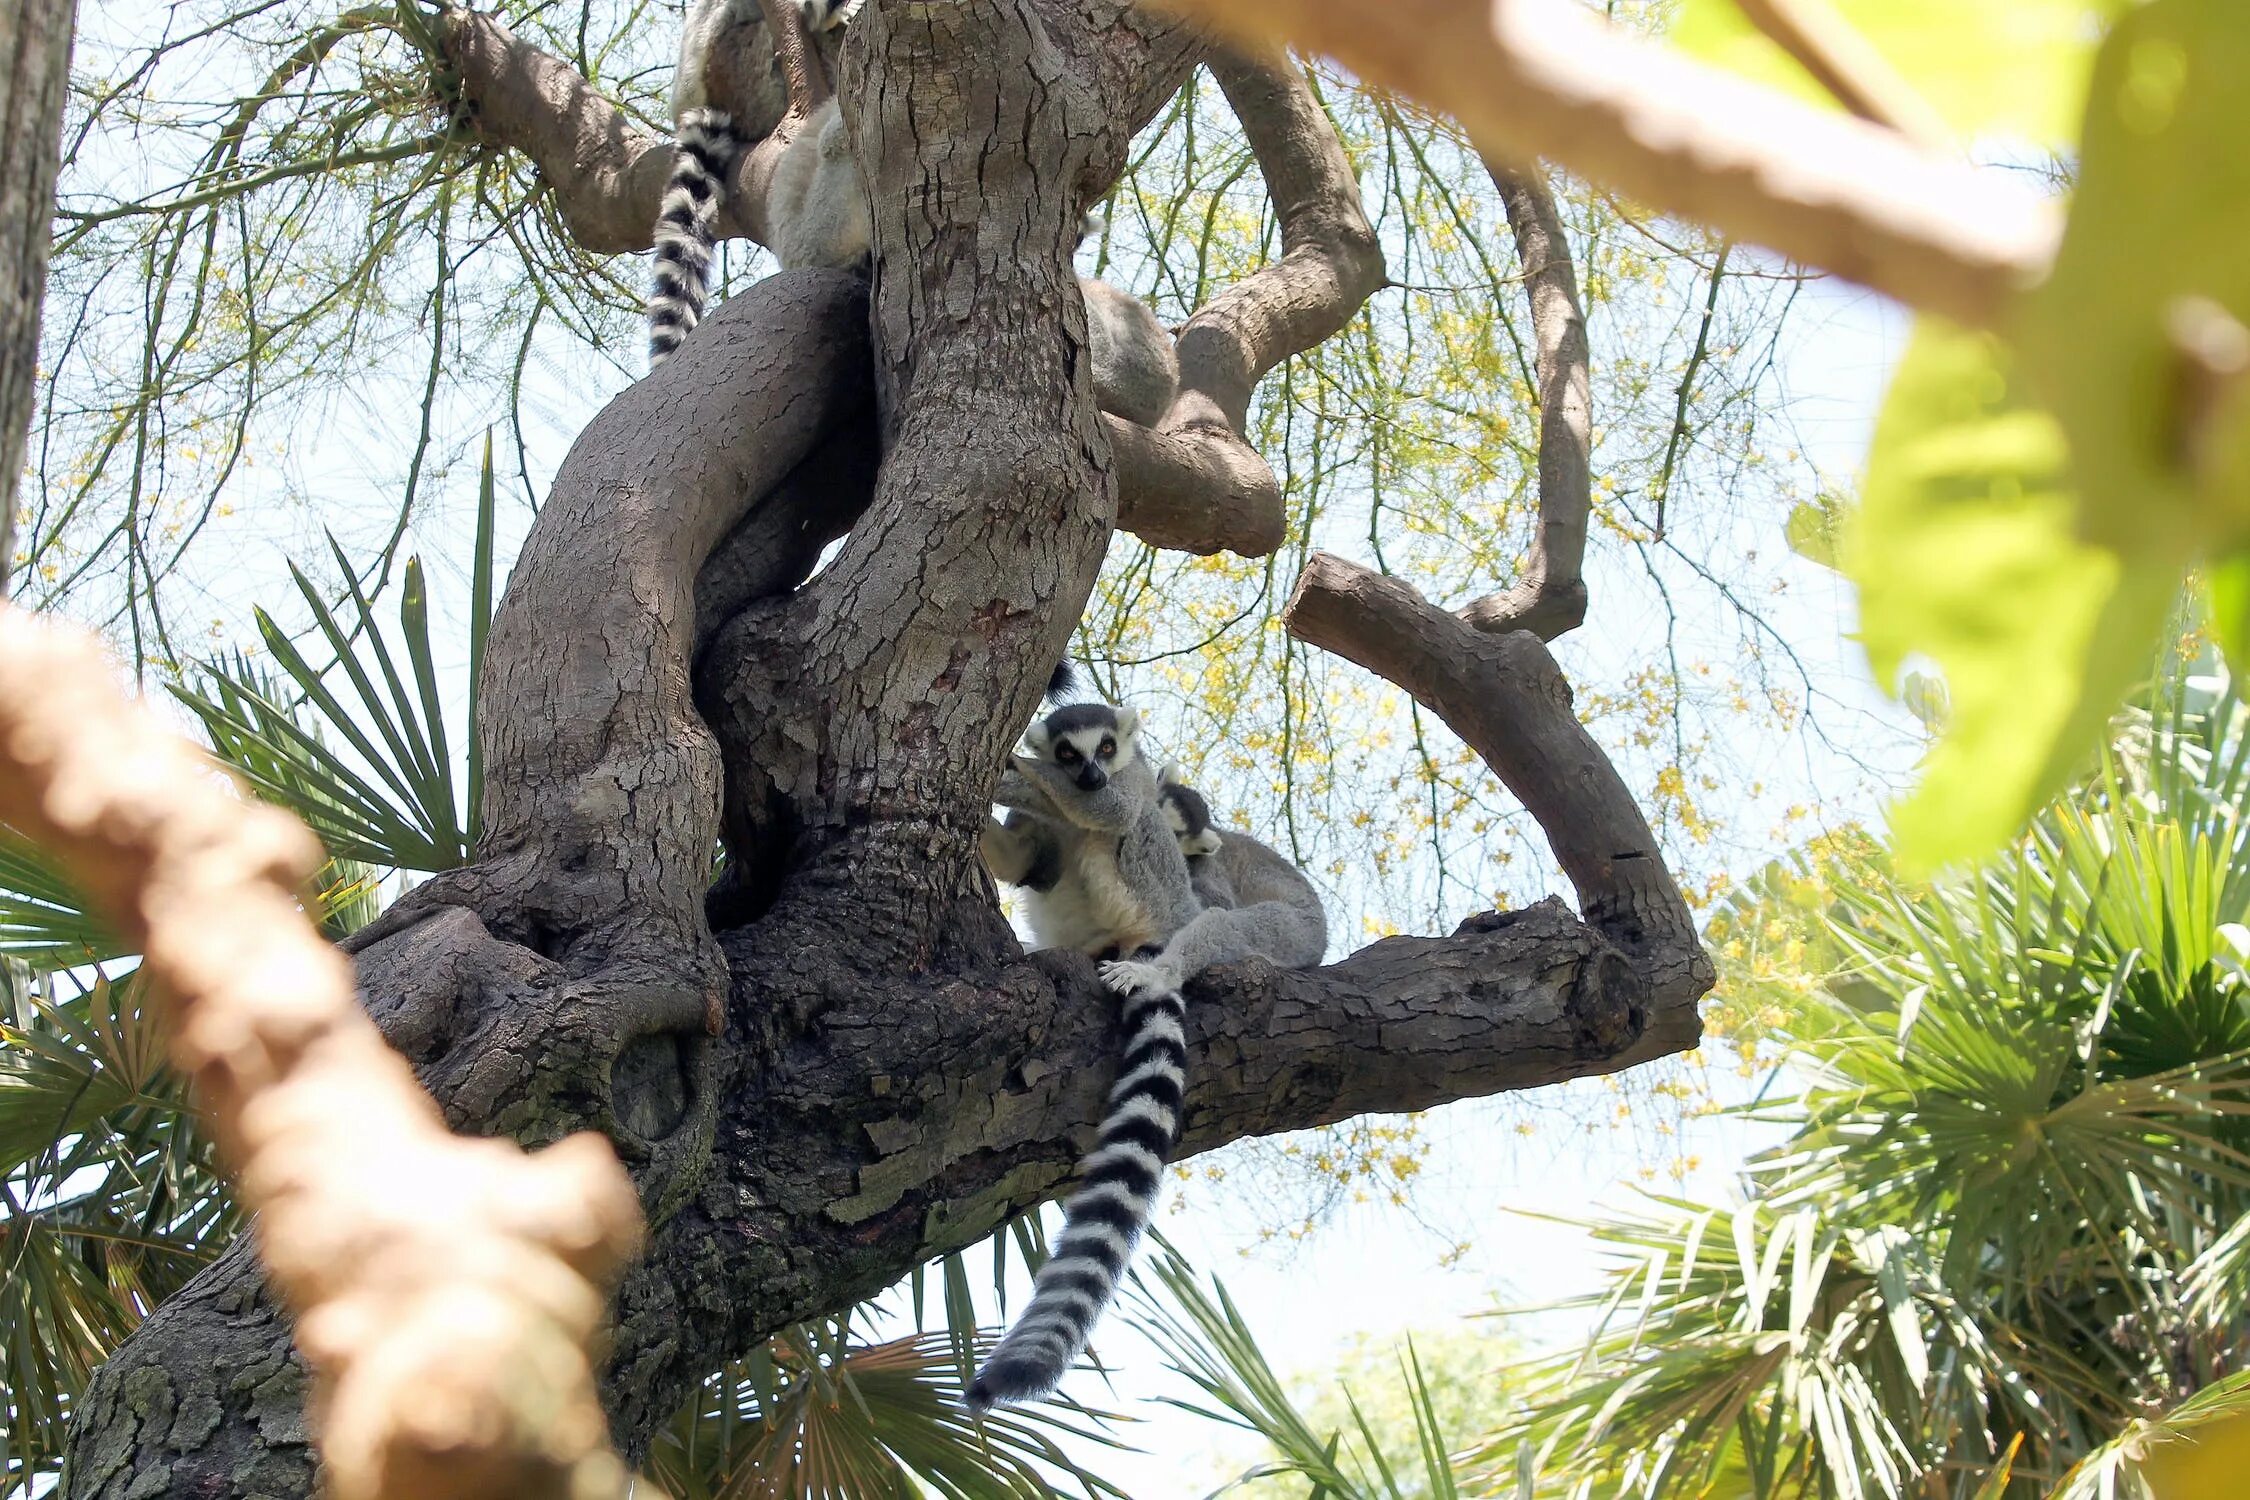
(684, 237)
(1105, 1216)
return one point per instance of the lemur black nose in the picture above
(1091, 778)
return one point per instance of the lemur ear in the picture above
(1036, 739)
(1128, 722)
(1170, 775)
(1206, 842)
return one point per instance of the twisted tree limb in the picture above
(446, 1291)
(1534, 79)
(893, 1076)
(1193, 484)
(1550, 596)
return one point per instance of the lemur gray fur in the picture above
(1087, 837)
(1103, 848)
(709, 141)
(816, 210)
(817, 215)
(1190, 817)
(1271, 911)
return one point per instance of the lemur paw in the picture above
(1137, 978)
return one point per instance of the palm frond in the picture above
(817, 1415)
(1205, 1338)
(356, 748)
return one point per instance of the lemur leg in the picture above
(1272, 930)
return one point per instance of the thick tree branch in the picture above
(1550, 597)
(1197, 482)
(1505, 696)
(448, 1326)
(1539, 78)
(606, 176)
(34, 78)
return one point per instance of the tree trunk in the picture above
(34, 78)
(839, 1063)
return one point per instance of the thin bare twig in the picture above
(1536, 79)
(445, 1289)
(1830, 48)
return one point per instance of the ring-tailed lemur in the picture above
(1103, 848)
(1190, 817)
(708, 143)
(1087, 837)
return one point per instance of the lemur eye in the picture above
(1067, 754)
(1109, 747)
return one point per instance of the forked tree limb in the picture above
(1504, 695)
(446, 1290)
(1536, 79)
(1550, 598)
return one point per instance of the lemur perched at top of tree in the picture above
(817, 214)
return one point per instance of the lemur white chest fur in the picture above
(1087, 837)
(1092, 908)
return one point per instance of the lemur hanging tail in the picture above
(1105, 1216)
(707, 150)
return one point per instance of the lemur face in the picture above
(1087, 740)
(1188, 813)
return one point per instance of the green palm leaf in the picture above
(819, 1416)
(365, 759)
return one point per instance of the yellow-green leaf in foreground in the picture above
(2227, 592)
(2012, 68)
(1965, 549)
(2155, 262)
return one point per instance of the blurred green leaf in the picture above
(2013, 68)
(1964, 548)
(2152, 264)
(1812, 530)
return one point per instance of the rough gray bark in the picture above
(841, 1063)
(34, 78)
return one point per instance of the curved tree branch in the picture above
(1541, 79)
(1504, 695)
(448, 1327)
(1550, 598)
